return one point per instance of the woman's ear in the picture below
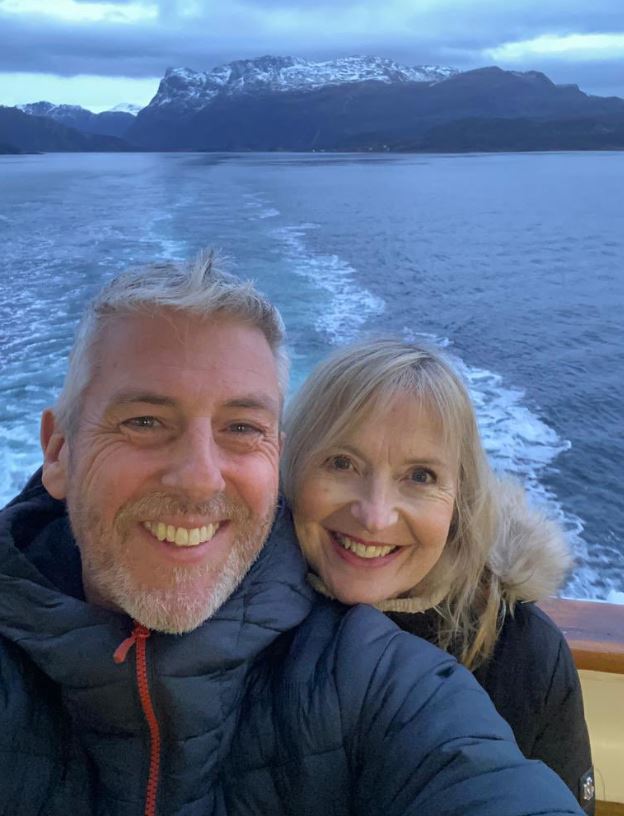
(55, 456)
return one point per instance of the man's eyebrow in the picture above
(130, 397)
(262, 402)
(256, 402)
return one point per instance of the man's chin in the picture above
(169, 599)
(172, 615)
(185, 603)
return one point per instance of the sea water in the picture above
(511, 262)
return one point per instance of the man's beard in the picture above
(176, 607)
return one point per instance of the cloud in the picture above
(75, 11)
(141, 38)
(589, 47)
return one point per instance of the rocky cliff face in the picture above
(188, 90)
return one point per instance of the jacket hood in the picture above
(530, 556)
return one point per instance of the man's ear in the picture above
(55, 456)
(282, 439)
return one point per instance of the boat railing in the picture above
(595, 633)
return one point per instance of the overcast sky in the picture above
(99, 54)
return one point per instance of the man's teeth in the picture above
(181, 536)
(363, 550)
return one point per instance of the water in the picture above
(512, 262)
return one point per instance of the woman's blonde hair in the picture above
(360, 379)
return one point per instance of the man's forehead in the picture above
(175, 336)
(255, 401)
(161, 354)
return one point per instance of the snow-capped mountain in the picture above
(366, 103)
(125, 107)
(52, 110)
(182, 87)
(108, 123)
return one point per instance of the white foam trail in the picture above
(520, 443)
(349, 307)
(411, 336)
(256, 201)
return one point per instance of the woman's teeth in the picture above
(363, 550)
(181, 536)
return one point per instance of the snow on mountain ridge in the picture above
(50, 109)
(194, 89)
(124, 107)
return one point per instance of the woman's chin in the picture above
(351, 595)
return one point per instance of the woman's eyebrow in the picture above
(418, 460)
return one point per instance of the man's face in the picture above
(171, 475)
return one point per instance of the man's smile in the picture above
(181, 536)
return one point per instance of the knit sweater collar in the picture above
(410, 605)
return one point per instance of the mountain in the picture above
(108, 123)
(27, 133)
(183, 89)
(509, 135)
(125, 107)
(183, 93)
(352, 103)
(6, 149)
(361, 103)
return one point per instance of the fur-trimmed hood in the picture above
(531, 555)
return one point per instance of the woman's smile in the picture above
(363, 554)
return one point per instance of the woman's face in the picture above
(373, 512)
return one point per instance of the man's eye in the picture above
(142, 423)
(340, 462)
(422, 475)
(243, 428)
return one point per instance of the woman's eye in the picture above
(340, 463)
(422, 475)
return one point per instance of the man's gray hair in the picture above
(199, 288)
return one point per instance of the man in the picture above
(165, 665)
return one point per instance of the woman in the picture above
(395, 505)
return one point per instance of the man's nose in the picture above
(195, 466)
(375, 509)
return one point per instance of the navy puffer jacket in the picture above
(282, 703)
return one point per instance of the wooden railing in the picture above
(595, 634)
(594, 631)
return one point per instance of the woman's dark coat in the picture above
(531, 677)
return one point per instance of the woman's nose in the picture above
(375, 509)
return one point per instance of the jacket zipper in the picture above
(138, 637)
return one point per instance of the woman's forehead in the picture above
(398, 416)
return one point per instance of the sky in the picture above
(99, 54)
